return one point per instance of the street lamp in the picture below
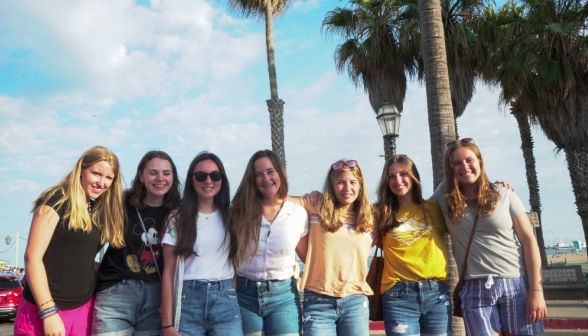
(388, 118)
(8, 240)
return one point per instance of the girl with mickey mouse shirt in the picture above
(128, 293)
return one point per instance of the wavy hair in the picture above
(387, 205)
(186, 218)
(107, 213)
(487, 196)
(330, 217)
(246, 208)
(137, 193)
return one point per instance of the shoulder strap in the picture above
(464, 267)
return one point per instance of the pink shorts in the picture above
(77, 321)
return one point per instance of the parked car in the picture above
(10, 295)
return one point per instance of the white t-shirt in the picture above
(275, 258)
(212, 261)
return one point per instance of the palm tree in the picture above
(440, 110)
(372, 53)
(266, 10)
(545, 48)
(496, 36)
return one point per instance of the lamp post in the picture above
(8, 239)
(388, 118)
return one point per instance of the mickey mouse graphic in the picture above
(145, 260)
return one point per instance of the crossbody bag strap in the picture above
(150, 248)
(464, 267)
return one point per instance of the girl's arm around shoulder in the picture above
(45, 220)
(536, 307)
(309, 206)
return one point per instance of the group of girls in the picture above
(170, 267)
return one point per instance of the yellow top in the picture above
(336, 262)
(415, 250)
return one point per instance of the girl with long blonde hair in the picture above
(339, 241)
(72, 220)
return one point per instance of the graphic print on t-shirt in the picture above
(150, 240)
(409, 230)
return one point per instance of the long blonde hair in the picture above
(330, 217)
(107, 214)
(246, 208)
(486, 194)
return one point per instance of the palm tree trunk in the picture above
(275, 105)
(578, 166)
(531, 171)
(440, 110)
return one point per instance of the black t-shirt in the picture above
(135, 260)
(69, 262)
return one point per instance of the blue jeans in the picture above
(129, 307)
(325, 315)
(414, 308)
(210, 308)
(269, 307)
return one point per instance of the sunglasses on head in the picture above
(463, 141)
(349, 163)
(201, 176)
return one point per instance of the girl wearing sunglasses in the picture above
(415, 299)
(502, 290)
(339, 243)
(72, 220)
(268, 228)
(129, 277)
(197, 292)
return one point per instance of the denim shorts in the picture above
(210, 308)
(325, 315)
(412, 308)
(269, 307)
(503, 306)
(129, 307)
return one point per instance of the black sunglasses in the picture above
(201, 176)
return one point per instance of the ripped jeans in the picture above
(415, 308)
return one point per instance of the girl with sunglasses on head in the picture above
(415, 299)
(128, 294)
(502, 291)
(339, 242)
(197, 292)
(268, 228)
(72, 220)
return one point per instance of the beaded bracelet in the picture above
(50, 314)
(48, 311)
(44, 304)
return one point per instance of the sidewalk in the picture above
(565, 317)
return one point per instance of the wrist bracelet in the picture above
(41, 306)
(167, 326)
(538, 289)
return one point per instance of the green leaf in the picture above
(562, 28)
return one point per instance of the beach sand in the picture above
(570, 259)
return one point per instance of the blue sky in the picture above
(187, 75)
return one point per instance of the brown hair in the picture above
(246, 208)
(185, 219)
(387, 204)
(486, 194)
